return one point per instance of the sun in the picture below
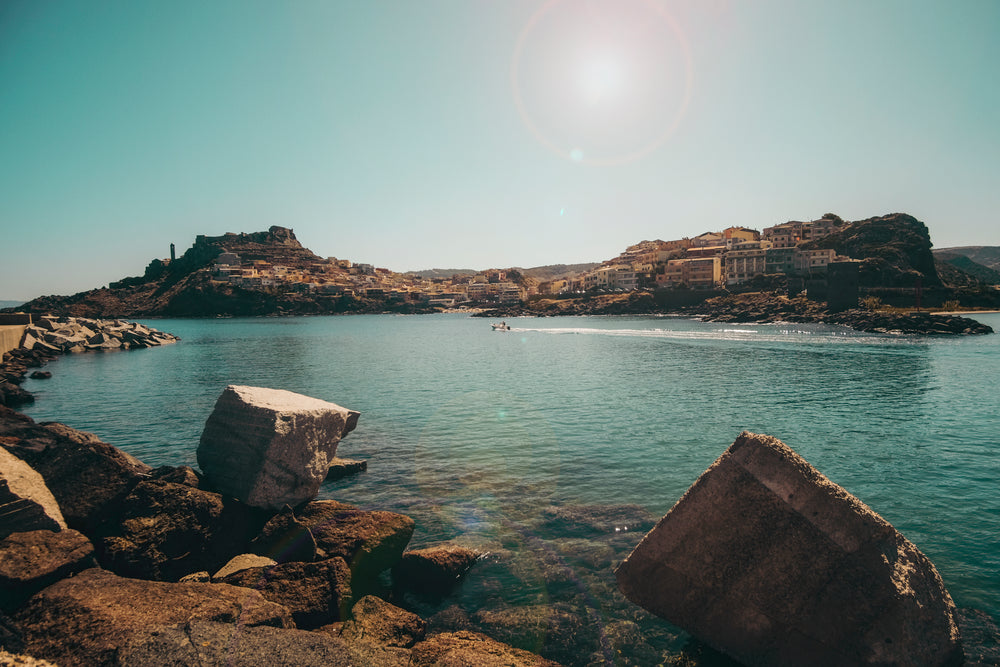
(601, 81)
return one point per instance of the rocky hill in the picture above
(985, 255)
(895, 250)
(189, 287)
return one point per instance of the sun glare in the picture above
(601, 81)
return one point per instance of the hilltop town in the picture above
(271, 272)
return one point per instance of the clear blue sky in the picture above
(495, 133)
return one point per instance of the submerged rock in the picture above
(770, 562)
(434, 570)
(270, 447)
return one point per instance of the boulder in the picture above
(202, 642)
(243, 562)
(340, 468)
(270, 447)
(370, 542)
(435, 570)
(284, 538)
(83, 620)
(465, 648)
(315, 593)
(32, 560)
(164, 530)
(375, 620)
(767, 560)
(88, 477)
(25, 502)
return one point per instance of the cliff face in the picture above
(895, 250)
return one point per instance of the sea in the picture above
(553, 447)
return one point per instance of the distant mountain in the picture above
(442, 273)
(554, 271)
(985, 255)
(10, 304)
(540, 273)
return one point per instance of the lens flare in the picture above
(601, 82)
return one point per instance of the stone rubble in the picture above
(128, 583)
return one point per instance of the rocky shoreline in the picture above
(751, 308)
(105, 561)
(158, 566)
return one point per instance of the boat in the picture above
(503, 326)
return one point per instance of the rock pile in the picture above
(768, 561)
(64, 335)
(118, 569)
(51, 336)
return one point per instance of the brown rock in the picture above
(87, 476)
(434, 570)
(224, 644)
(370, 542)
(472, 649)
(270, 447)
(284, 538)
(25, 502)
(33, 560)
(340, 468)
(769, 561)
(83, 620)
(375, 620)
(315, 593)
(164, 531)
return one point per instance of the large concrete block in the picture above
(270, 447)
(767, 560)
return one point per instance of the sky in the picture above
(417, 134)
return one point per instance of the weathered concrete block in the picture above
(769, 561)
(270, 447)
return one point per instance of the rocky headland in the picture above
(745, 308)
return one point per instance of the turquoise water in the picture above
(478, 434)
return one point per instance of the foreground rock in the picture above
(163, 531)
(767, 560)
(84, 619)
(203, 642)
(464, 648)
(315, 593)
(86, 476)
(370, 542)
(375, 620)
(35, 559)
(270, 447)
(25, 502)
